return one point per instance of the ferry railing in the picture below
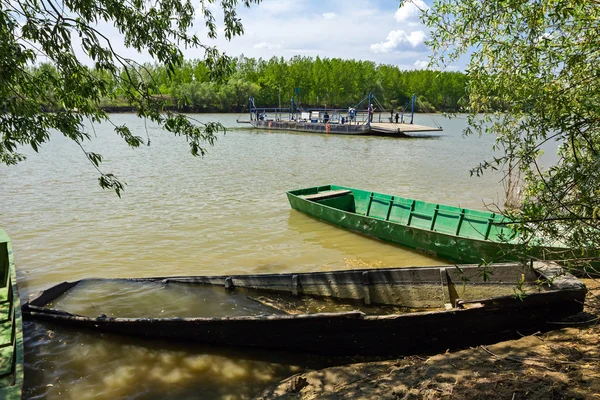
(361, 117)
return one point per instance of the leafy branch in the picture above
(50, 31)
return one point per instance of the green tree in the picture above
(50, 30)
(333, 82)
(538, 62)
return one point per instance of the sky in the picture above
(375, 30)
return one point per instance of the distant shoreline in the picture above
(191, 110)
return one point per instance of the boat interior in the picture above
(372, 292)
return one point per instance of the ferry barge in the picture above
(352, 121)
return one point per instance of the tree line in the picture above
(313, 82)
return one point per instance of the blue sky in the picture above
(376, 30)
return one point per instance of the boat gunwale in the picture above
(31, 310)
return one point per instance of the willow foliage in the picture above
(538, 62)
(57, 31)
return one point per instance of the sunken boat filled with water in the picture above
(373, 312)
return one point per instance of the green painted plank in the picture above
(11, 335)
(6, 333)
(5, 381)
(6, 360)
(4, 295)
(10, 393)
(5, 310)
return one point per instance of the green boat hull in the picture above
(11, 326)
(457, 234)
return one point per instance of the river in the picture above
(224, 213)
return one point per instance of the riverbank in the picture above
(558, 364)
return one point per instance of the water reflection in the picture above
(369, 252)
(65, 364)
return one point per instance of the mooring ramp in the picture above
(387, 127)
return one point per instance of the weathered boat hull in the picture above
(476, 315)
(419, 230)
(342, 129)
(11, 327)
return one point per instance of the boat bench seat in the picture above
(326, 195)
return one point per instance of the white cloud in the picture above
(396, 39)
(267, 45)
(410, 11)
(358, 30)
(420, 64)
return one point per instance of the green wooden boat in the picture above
(11, 326)
(457, 234)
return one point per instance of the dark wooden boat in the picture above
(352, 312)
(457, 234)
(11, 325)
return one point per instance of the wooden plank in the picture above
(326, 195)
(5, 312)
(6, 360)
(7, 348)
(370, 204)
(265, 301)
(411, 213)
(435, 214)
(6, 333)
(461, 217)
(387, 217)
